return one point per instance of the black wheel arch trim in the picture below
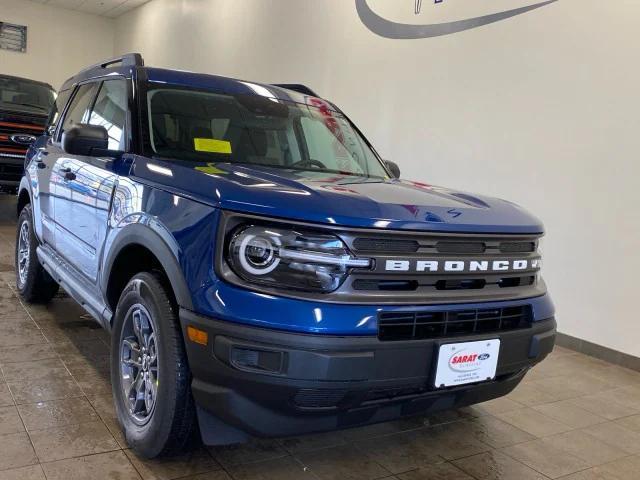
(137, 234)
(24, 187)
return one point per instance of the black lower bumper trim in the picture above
(273, 383)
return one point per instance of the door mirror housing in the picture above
(393, 168)
(88, 140)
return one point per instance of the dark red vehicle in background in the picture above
(24, 108)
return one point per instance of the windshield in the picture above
(15, 92)
(257, 130)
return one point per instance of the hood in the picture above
(338, 199)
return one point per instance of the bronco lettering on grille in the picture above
(436, 266)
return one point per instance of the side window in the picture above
(57, 109)
(79, 106)
(110, 112)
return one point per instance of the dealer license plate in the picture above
(467, 362)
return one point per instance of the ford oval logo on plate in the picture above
(21, 139)
(484, 356)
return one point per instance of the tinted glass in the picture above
(80, 104)
(25, 95)
(110, 111)
(58, 108)
(258, 130)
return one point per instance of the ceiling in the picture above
(106, 8)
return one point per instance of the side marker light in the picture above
(197, 336)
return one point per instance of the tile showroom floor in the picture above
(573, 417)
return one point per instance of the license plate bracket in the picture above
(463, 363)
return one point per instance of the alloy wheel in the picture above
(139, 364)
(24, 252)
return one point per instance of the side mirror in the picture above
(84, 139)
(393, 168)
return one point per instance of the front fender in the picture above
(161, 244)
(180, 232)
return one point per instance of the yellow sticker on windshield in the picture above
(211, 145)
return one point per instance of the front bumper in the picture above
(275, 383)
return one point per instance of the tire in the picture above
(33, 282)
(146, 339)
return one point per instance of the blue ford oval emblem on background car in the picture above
(484, 356)
(22, 139)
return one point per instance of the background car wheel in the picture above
(33, 282)
(150, 375)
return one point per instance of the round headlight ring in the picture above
(259, 255)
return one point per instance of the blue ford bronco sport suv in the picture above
(261, 270)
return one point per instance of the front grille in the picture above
(442, 267)
(517, 247)
(17, 125)
(461, 247)
(392, 245)
(420, 325)
(385, 245)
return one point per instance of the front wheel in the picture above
(33, 282)
(150, 375)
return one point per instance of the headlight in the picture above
(293, 259)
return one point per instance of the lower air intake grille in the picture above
(394, 326)
(318, 398)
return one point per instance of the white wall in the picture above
(59, 42)
(542, 109)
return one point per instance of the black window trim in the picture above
(99, 81)
(57, 138)
(54, 110)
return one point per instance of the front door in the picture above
(87, 183)
(66, 242)
(40, 170)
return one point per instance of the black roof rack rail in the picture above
(127, 60)
(296, 87)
